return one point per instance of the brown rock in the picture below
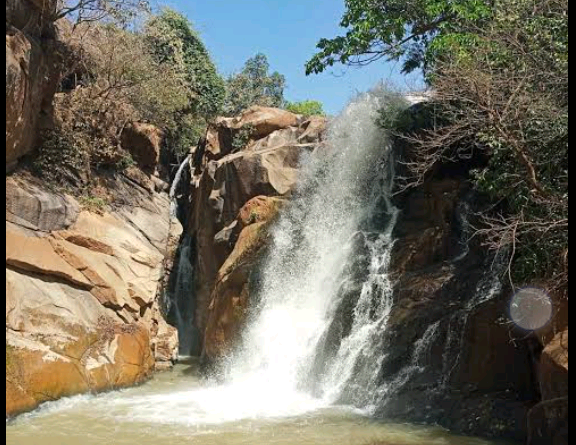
(113, 357)
(259, 209)
(31, 73)
(254, 124)
(143, 141)
(231, 295)
(81, 296)
(554, 368)
(37, 255)
(87, 242)
(229, 176)
(264, 120)
(313, 130)
(31, 207)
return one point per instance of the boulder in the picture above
(111, 356)
(82, 307)
(143, 141)
(548, 420)
(225, 186)
(554, 368)
(232, 291)
(255, 154)
(29, 206)
(227, 134)
(313, 130)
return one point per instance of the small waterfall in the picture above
(488, 288)
(175, 183)
(180, 301)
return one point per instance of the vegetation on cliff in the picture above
(306, 108)
(499, 75)
(254, 85)
(115, 73)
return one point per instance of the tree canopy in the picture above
(254, 85)
(306, 107)
(397, 30)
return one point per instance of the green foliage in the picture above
(254, 85)
(242, 137)
(501, 89)
(397, 30)
(306, 108)
(93, 204)
(125, 162)
(174, 43)
(160, 73)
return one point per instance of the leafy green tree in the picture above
(306, 107)
(254, 85)
(502, 94)
(398, 30)
(174, 43)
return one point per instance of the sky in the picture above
(287, 32)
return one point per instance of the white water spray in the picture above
(312, 245)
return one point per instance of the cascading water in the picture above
(342, 194)
(176, 183)
(316, 334)
(182, 306)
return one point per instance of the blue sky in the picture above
(287, 32)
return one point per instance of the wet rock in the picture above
(232, 291)
(265, 164)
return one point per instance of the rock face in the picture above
(474, 379)
(82, 309)
(143, 141)
(233, 287)
(229, 134)
(31, 77)
(253, 155)
(548, 420)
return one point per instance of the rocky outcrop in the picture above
(548, 420)
(233, 287)
(232, 134)
(143, 142)
(82, 308)
(255, 154)
(31, 74)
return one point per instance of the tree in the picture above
(306, 107)
(254, 86)
(503, 94)
(174, 43)
(82, 11)
(398, 30)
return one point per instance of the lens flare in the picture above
(531, 308)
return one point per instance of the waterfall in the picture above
(343, 197)
(176, 182)
(180, 304)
